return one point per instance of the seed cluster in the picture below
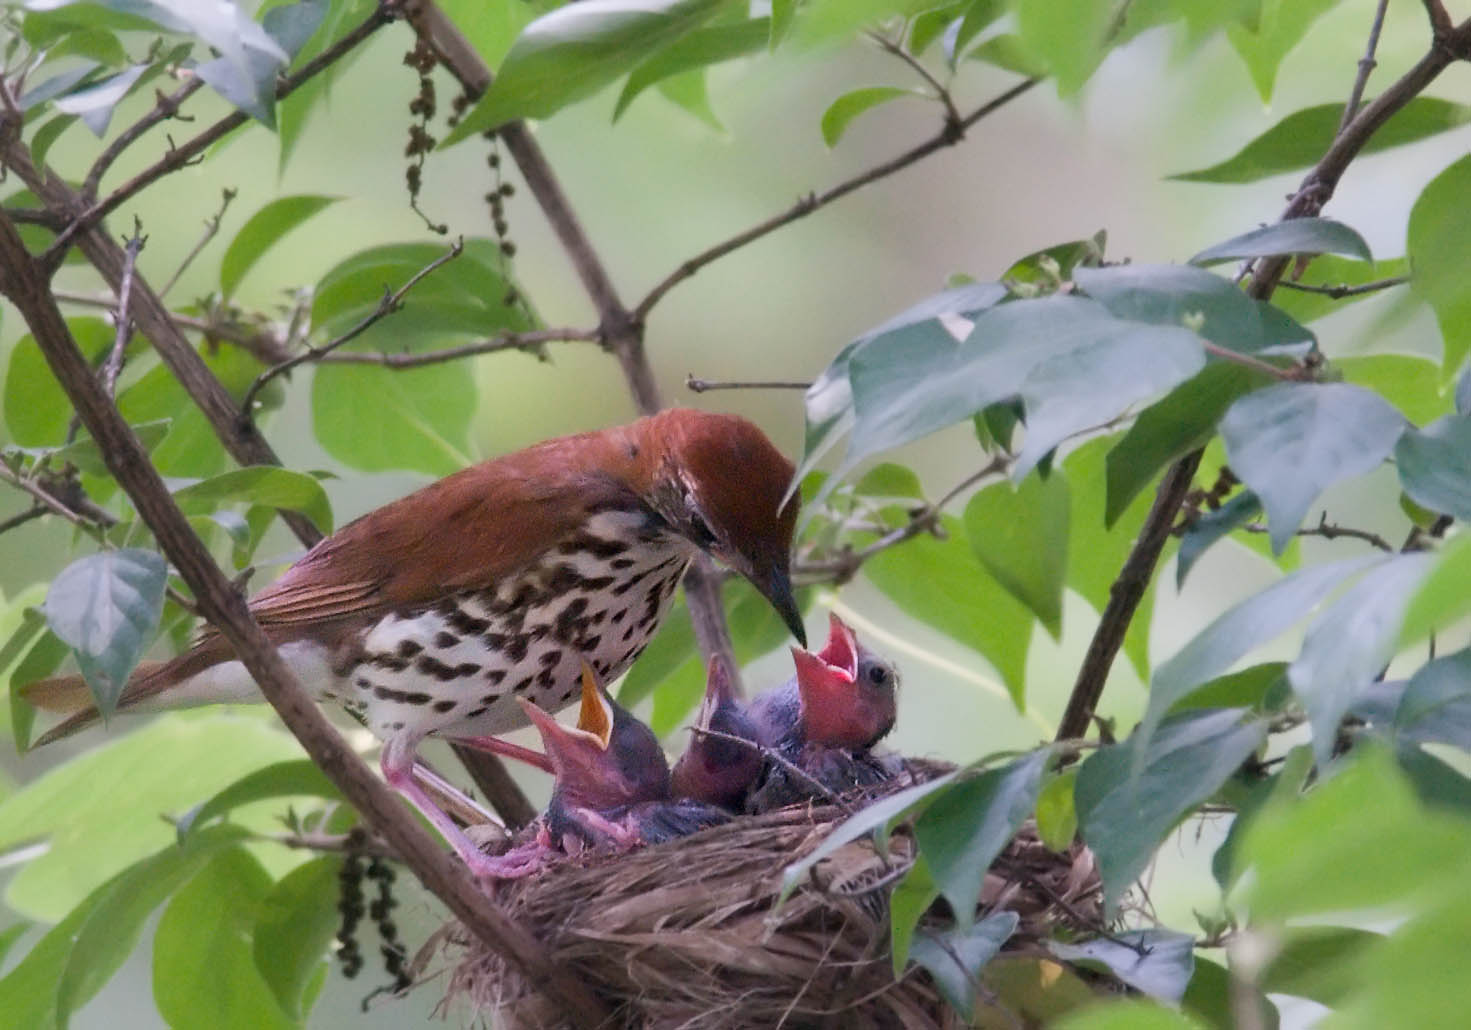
(421, 144)
(350, 904)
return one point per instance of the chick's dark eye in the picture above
(878, 675)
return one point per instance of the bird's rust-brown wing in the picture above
(464, 532)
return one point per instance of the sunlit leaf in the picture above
(297, 778)
(297, 920)
(1267, 39)
(1020, 535)
(261, 232)
(842, 111)
(266, 485)
(700, 49)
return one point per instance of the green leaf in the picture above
(1437, 695)
(97, 44)
(41, 660)
(1073, 364)
(297, 778)
(1051, 265)
(1292, 441)
(1068, 38)
(955, 957)
(1124, 817)
(1020, 535)
(342, 16)
(267, 485)
(700, 49)
(418, 421)
(782, 13)
(1125, 1015)
(891, 481)
(1294, 236)
(878, 816)
(829, 400)
(1008, 52)
(106, 607)
(94, 105)
(1443, 597)
(46, 136)
(192, 448)
(1212, 526)
(1300, 139)
(1156, 962)
(1262, 688)
(297, 920)
(1263, 43)
(1184, 420)
(1327, 852)
(1439, 224)
(204, 972)
(1410, 382)
(1246, 625)
(9, 936)
(841, 112)
(963, 830)
(1434, 465)
(911, 899)
(1180, 295)
(1323, 963)
(84, 453)
(36, 409)
(262, 231)
(978, 15)
(575, 51)
(1349, 644)
(941, 583)
(113, 925)
(1057, 816)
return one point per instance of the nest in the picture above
(687, 934)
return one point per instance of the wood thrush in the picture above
(438, 611)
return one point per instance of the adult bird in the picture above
(437, 612)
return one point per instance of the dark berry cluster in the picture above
(421, 144)
(350, 905)
(395, 957)
(495, 199)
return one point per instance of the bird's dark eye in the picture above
(700, 531)
(878, 676)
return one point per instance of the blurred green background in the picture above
(659, 186)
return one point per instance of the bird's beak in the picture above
(778, 590)
(583, 745)
(596, 714)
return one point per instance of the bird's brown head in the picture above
(849, 694)
(609, 759)
(718, 481)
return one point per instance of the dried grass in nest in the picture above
(684, 934)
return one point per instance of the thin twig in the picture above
(1329, 531)
(947, 136)
(124, 317)
(179, 156)
(702, 385)
(499, 342)
(52, 504)
(952, 116)
(843, 567)
(1344, 289)
(1366, 66)
(35, 511)
(165, 106)
(822, 790)
(211, 229)
(1247, 361)
(391, 302)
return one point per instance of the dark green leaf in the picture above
(1156, 962)
(9, 936)
(1246, 625)
(1264, 41)
(262, 231)
(1435, 465)
(283, 779)
(266, 485)
(1057, 816)
(106, 607)
(699, 49)
(1262, 688)
(191, 449)
(1436, 704)
(1463, 393)
(96, 44)
(1292, 441)
(1212, 307)
(1331, 271)
(1443, 597)
(940, 582)
(36, 409)
(1319, 962)
(1051, 266)
(782, 13)
(1124, 816)
(1348, 645)
(203, 952)
(1125, 1014)
(1300, 139)
(1437, 783)
(1212, 526)
(878, 816)
(1294, 236)
(1209, 998)
(963, 831)
(1182, 421)
(576, 50)
(94, 105)
(841, 112)
(296, 922)
(293, 25)
(955, 958)
(1020, 535)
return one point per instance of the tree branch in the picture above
(702, 385)
(1344, 289)
(947, 136)
(1330, 531)
(165, 107)
(1366, 66)
(211, 230)
(1316, 189)
(25, 283)
(114, 366)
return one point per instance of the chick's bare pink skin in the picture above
(715, 769)
(847, 695)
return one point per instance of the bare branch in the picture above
(952, 115)
(702, 385)
(501, 341)
(211, 229)
(1247, 361)
(390, 303)
(124, 318)
(166, 106)
(1330, 531)
(1366, 66)
(947, 136)
(35, 511)
(1344, 289)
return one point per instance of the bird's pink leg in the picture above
(453, 800)
(397, 761)
(497, 746)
